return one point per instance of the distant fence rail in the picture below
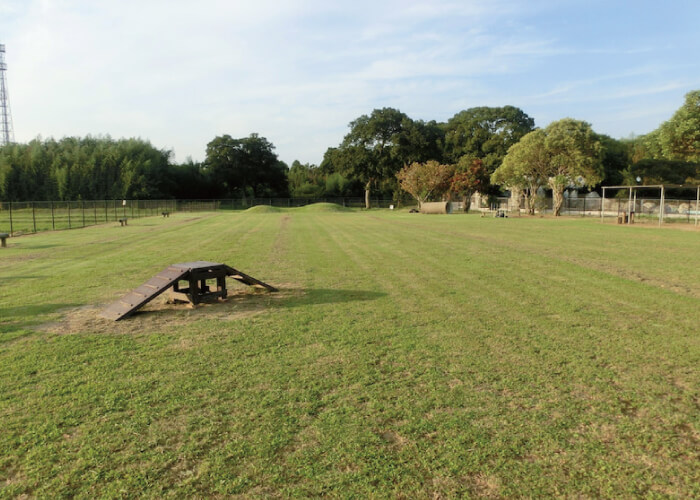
(17, 218)
(676, 209)
(25, 217)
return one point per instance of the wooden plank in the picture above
(248, 280)
(143, 294)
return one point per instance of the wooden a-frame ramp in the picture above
(196, 273)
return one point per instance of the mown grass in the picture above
(407, 355)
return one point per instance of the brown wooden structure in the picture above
(205, 281)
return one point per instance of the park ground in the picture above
(404, 356)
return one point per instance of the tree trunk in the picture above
(467, 202)
(367, 188)
(531, 200)
(516, 194)
(557, 200)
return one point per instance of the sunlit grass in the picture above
(429, 356)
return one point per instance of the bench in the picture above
(3, 238)
(166, 214)
(123, 221)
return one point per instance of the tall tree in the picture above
(485, 133)
(566, 154)
(574, 158)
(525, 167)
(379, 145)
(679, 137)
(245, 167)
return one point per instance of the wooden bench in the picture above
(3, 238)
(123, 221)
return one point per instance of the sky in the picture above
(179, 73)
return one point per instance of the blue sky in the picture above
(298, 71)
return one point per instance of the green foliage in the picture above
(378, 145)
(664, 172)
(84, 168)
(485, 133)
(615, 160)
(525, 167)
(565, 154)
(245, 167)
(679, 137)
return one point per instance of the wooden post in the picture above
(94, 208)
(53, 221)
(34, 216)
(629, 208)
(602, 206)
(661, 206)
(11, 228)
(68, 214)
(82, 206)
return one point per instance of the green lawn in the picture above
(405, 355)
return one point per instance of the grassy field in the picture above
(405, 356)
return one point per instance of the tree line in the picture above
(385, 153)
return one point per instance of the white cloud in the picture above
(297, 72)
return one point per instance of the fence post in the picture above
(94, 208)
(82, 209)
(69, 227)
(11, 229)
(34, 217)
(53, 221)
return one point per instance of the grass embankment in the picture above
(432, 356)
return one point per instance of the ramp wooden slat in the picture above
(248, 280)
(145, 293)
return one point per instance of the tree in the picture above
(246, 167)
(470, 177)
(486, 133)
(565, 154)
(664, 172)
(525, 167)
(379, 145)
(425, 180)
(615, 159)
(574, 154)
(679, 137)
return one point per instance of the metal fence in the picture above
(18, 218)
(35, 216)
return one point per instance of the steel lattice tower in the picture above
(6, 134)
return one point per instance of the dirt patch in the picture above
(160, 314)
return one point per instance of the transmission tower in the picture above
(6, 134)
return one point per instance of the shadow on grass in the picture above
(27, 277)
(24, 246)
(28, 313)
